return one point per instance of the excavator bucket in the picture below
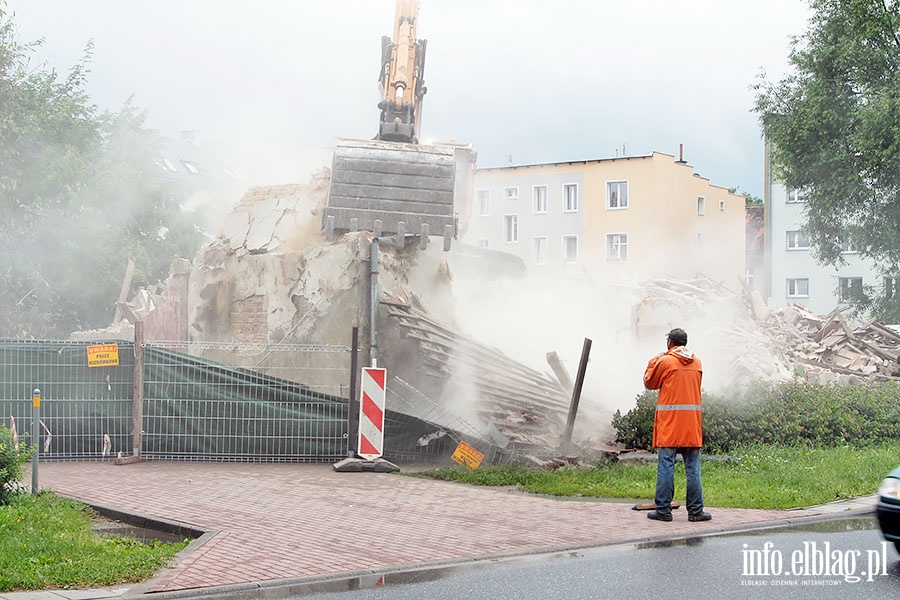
(392, 188)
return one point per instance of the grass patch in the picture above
(47, 542)
(766, 476)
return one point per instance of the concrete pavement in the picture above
(270, 524)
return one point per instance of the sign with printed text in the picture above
(103, 355)
(467, 456)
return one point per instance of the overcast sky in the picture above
(525, 81)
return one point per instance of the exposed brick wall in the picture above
(249, 321)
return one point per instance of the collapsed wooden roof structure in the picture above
(520, 408)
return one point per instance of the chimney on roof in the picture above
(681, 160)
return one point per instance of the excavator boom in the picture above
(402, 77)
(392, 185)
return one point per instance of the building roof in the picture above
(606, 160)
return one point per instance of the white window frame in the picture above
(540, 201)
(848, 247)
(794, 287)
(847, 287)
(511, 193)
(539, 243)
(570, 200)
(795, 240)
(794, 196)
(617, 247)
(483, 203)
(511, 228)
(701, 205)
(569, 258)
(619, 184)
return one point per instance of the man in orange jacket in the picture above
(677, 427)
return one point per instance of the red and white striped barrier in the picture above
(371, 413)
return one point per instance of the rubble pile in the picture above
(832, 344)
(776, 344)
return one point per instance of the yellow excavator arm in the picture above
(392, 185)
(402, 77)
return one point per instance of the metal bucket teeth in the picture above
(391, 188)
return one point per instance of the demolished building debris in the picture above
(777, 344)
(270, 278)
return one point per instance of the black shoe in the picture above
(659, 516)
(701, 516)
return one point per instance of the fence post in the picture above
(138, 397)
(353, 405)
(35, 432)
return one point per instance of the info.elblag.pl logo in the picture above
(812, 564)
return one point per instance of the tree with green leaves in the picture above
(834, 129)
(80, 195)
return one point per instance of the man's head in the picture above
(677, 337)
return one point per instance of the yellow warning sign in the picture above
(467, 456)
(103, 355)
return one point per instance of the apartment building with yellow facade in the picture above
(618, 220)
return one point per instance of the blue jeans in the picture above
(665, 479)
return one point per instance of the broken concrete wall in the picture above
(271, 278)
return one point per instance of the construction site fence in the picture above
(193, 408)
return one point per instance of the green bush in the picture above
(782, 414)
(11, 462)
(635, 428)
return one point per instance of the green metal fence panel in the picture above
(195, 408)
(85, 411)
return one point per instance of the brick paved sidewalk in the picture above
(288, 521)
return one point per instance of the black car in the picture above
(888, 508)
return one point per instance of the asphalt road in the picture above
(845, 559)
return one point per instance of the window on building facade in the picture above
(721, 206)
(796, 240)
(483, 200)
(511, 228)
(890, 287)
(540, 199)
(798, 288)
(616, 247)
(570, 197)
(848, 247)
(850, 288)
(540, 250)
(795, 196)
(701, 205)
(570, 248)
(511, 193)
(699, 238)
(616, 194)
(483, 243)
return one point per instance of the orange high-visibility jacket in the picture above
(677, 375)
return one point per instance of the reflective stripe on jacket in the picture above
(677, 375)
